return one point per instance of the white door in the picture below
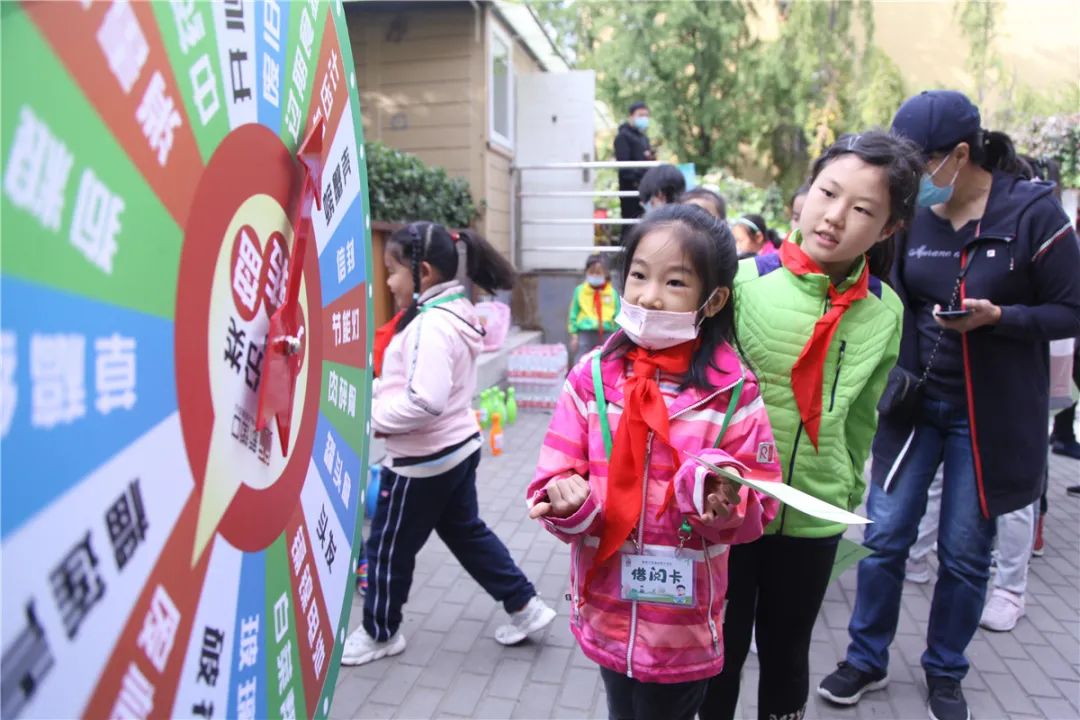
(554, 124)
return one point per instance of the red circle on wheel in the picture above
(250, 161)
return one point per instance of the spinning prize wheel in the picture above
(185, 337)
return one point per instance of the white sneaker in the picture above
(361, 648)
(536, 615)
(917, 571)
(1002, 611)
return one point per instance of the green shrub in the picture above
(404, 189)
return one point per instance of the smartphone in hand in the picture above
(952, 313)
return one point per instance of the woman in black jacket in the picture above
(989, 273)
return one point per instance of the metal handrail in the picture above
(590, 165)
(580, 193)
(576, 248)
(582, 221)
(517, 221)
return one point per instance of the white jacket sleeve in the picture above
(428, 360)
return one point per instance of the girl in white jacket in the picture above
(421, 405)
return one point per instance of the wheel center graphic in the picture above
(233, 277)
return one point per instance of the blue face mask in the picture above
(641, 123)
(929, 193)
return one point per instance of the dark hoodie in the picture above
(631, 144)
(1023, 256)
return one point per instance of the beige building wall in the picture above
(420, 76)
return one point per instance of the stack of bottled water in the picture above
(538, 373)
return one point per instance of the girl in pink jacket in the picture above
(648, 526)
(421, 405)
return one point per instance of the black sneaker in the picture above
(847, 684)
(946, 699)
(1073, 490)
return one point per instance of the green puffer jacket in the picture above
(775, 312)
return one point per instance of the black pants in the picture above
(1063, 425)
(629, 699)
(408, 510)
(776, 583)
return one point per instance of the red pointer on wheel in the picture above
(285, 338)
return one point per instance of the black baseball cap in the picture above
(937, 119)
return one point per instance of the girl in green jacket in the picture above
(821, 331)
(592, 309)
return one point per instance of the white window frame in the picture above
(497, 33)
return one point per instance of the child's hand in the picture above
(721, 495)
(564, 497)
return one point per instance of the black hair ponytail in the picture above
(485, 265)
(992, 150)
(429, 242)
(997, 152)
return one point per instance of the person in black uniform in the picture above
(631, 143)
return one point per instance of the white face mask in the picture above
(658, 329)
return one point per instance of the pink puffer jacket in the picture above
(652, 642)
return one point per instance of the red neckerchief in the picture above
(383, 336)
(807, 373)
(598, 303)
(643, 411)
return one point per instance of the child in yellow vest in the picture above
(592, 309)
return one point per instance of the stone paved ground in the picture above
(452, 666)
